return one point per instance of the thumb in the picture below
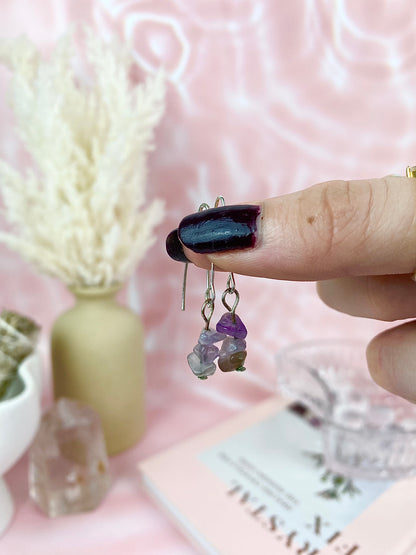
(391, 360)
(332, 229)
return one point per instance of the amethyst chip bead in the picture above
(201, 360)
(232, 354)
(232, 325)
(233, 350)
(208, 337)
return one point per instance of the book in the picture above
(256, 484)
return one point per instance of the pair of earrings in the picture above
(229, 329)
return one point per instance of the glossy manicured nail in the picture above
(174, 247)
(220, 229)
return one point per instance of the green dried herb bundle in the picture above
(18, 336)
(8, 373)
(26, 326)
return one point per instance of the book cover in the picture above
(256, 484)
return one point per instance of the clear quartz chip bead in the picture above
(68, 464)
(201, 360)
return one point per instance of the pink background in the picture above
(264, 98)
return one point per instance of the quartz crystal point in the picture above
(232, 354)
(201, 360)
(68, 465)
(232, 325)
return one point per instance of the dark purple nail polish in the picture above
(220, 229)
(174, 247)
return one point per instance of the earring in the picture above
(233, 349)
(230, 329)
(201, 360)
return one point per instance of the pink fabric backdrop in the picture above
(264, 98)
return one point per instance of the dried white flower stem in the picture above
(79, 215)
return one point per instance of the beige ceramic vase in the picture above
(98, 359)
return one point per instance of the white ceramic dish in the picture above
(19, 420)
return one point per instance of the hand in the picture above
(358, 238)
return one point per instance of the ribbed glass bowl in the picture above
(367, 432)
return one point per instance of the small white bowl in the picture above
(19, 421)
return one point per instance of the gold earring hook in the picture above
(411, 171)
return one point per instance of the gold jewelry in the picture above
(411, 172)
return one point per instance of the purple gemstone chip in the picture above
(208, 337)
(206, 353)
(234, 328)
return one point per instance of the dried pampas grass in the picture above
(79, 215)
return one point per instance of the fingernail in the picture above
(174, 247)
(220, 229)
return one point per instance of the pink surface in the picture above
(373, 530)
(264, 98)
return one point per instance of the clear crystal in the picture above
(68, 464)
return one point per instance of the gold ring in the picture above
(411, 172)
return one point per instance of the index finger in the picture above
(332, 229)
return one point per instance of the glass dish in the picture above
(367, 432)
